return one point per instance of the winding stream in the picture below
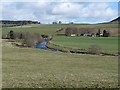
(43, 45)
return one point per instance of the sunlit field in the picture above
(107, 44)
(35, 68)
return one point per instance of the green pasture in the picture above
(35, 68)
(107, 44)
(51, 28)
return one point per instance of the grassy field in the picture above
(107, 44)
(51, 28)
(42, 29)
(34, 68)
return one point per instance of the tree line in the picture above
(8, 23)
(27, 39)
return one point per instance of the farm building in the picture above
(79, 31)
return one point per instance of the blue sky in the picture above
(47, 12)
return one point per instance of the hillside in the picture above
(117, 20)
(49, 29)
(24, 22)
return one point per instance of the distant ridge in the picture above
(11, 23)
(117, 20)
(23, 22)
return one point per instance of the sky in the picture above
(65, 11)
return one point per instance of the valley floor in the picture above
(35, 68)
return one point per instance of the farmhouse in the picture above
(78, 31)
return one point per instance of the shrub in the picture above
(11, 33)
(30, 39)
(21, 36)
(26, 38)
(44, 36)
(18, 35)
(38, 38)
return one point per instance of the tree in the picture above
(29, 40)
(71, 23)
(98, 32)
(21, 36)
(60, 22)
(11, 33)
(105, 33)
(39, 22)
(54, 22)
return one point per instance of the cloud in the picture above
(59, 0)
(47, 12)
(15, 11)
(98, 10)
(69, 9)
(94, 10)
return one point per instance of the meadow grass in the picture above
(51, 28)
(107, 44)
(36, 68)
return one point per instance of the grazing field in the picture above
(51, 28)
(107, 44)
(42, 29)
(34, 68)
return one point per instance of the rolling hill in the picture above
(117, 20)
